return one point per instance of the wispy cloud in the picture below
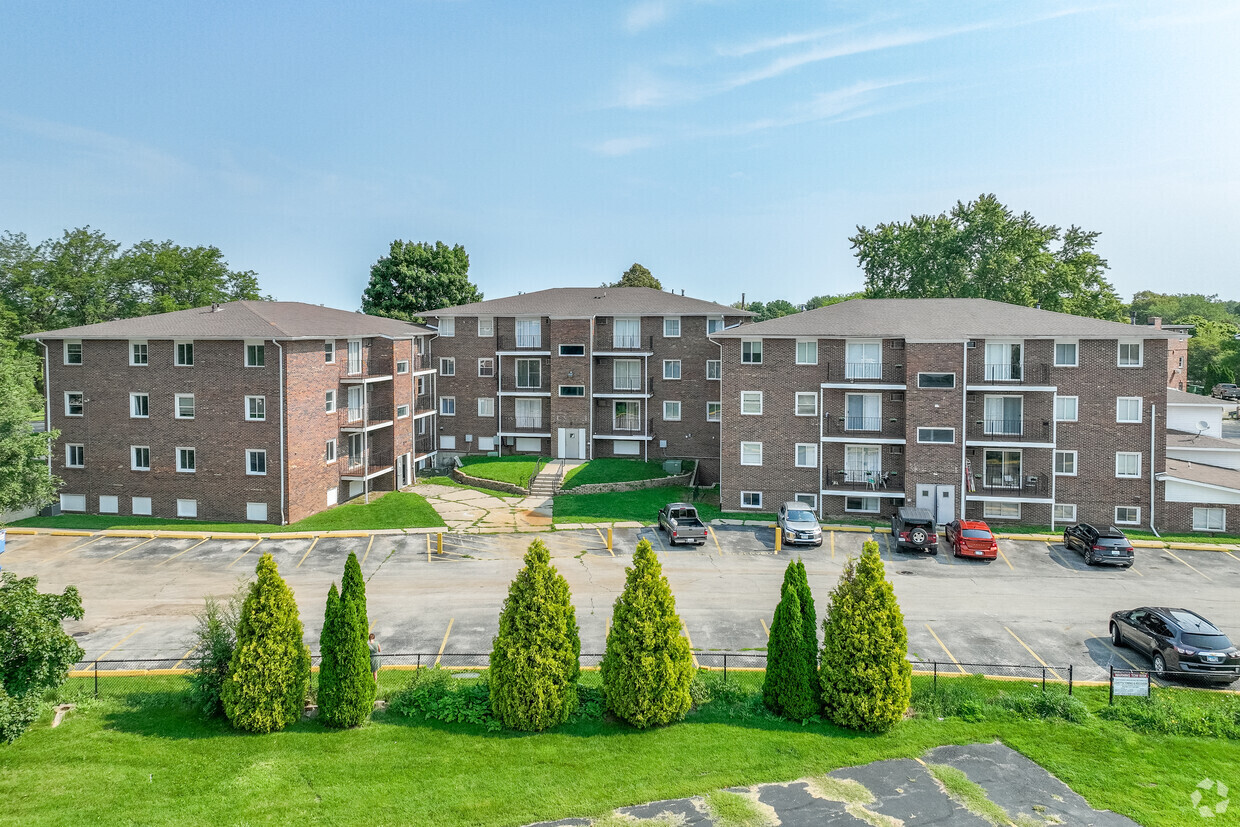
(615, 147)
(853, 102)
(643, 15)
(1195, 15)
(138, 156)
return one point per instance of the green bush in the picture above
(809, 620)
(535, 661)
(788, 687)
(435, 695)
(213, 642)
(346, 684)
(270, 669)
(648, 666)
(865, 674)
(1053, 703)
(1173, 713)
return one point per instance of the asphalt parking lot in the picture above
(1036, 604)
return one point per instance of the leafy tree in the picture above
(60, 283)
(788, 687)
(213, 642)
(1178, 308)
(159, 277)
(637, 276)
(1213, 351)
(25, 479)
(35, 652)
(416, 278)
(648, 666)
(270, 668)
(535, 659)
(865, 674)
(346, 685)
(984, 250)
(816, 302)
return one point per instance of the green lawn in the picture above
(610, 469)
(397, 509)
(642, 506)
(512, 470)
(152, 759)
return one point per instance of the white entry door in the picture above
(402, 470)
(572, 443)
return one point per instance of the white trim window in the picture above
(751, 453)
(1128, 409)
(1002, 468)
(1003, 415)
(187, 508)
(810, 500)
(806, 403)
(936, 436)
(751, 351)
(714, 411)
(626, 333)
(139, 458)
(109, 504)
(529, 332)
(402, 411)
(714, 324)
(806, 455)
(255, 462)
(402, 366)
(529, 413)
(1065, 408)
(572, 350)
(138, 355)
(329, 451)
(447, 406)
(256, 409)
(671, 368)
(140, 506)
(329, 401)
(486, 326)
(671, 410)
(1004, 361)
(936, 381)
(671, 327)
(1209, 519)
(353, 357)
(863, 359)
(1065, 513)
(255, 355)
(486, 367)
(861, 505)
(139, 405)
(863, 464)
(75, 403)
(447, 366)
(992, 510)
(751, 499)
(714, 369)
(187, 460)
(863, 412)
(72, 502)
(183, 405)
(329, 351)
(572, 390)
(1129, 355)
(751, 403)
(75, 455)
(447, 326)
(73, 352)
(626, 415)
(256, 512)
(807, 351)
(1066, 354)
(1065, 463)
(184, 355)
(1128, 464)
(529, 374)
(626, 374)
(486, 406)
(1127, 515)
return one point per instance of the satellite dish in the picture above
(1203, 425)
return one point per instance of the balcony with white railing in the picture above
(627, 422)
(1002, 372)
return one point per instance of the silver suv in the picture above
(796, 521)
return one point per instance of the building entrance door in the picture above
(939, 500)
(402, 470)
(572, 443)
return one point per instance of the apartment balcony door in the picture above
(355, 357)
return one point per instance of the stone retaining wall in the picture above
(632, 485)
(494, 485)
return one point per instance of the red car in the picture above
(972, 538)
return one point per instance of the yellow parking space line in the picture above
(832, 545)
(1136, 571)
(428, 548)
(1006, 560)
(191, 651)
(1030, 651)
(313, 543)
(715, 537)
(685, 631)
(1111, 648)
(179, 553)
(126, 551)
(945, 649)
(1190, 565)
(445, 640)
(659, 537)
(607, 628)
(118, 643)
(368, 545)
(602, 537)
(1051, 549)
(244, 553)
(372, 626)
(765, 630)
(78, 546)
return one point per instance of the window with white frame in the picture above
(807, 351)
(751, 499)
(1065, 463)
(1000, 511)
(627, 375)
(751, 351)
(402, 411)
(256, 512)
(420, 385)
(256, 408)
(329, 401)
(486, 326)
(671, 327)
(572, 390)
(806, 455)
(402, 366)
(255, 462)
(714, 369)
(1129, 355)
(447, 366)
(529, 373)
(936, 381)
(329, 451)
(1065, 513)
(486, 406)
(863, 464)
(1128, 409)
(255, 355)
(447, 443)
(72, 502)
(1003, 415)
(486, 367)
(187, 508)
(137, 354)
(184, 405)
(447, 326)
(109, 504)
(185, 354)
(671, 410)
(626, 333)
(714, 411)
(806, 404)
(447, 406)
(863, 412)
(1127, 463)
(1065, 354)
(1127, 515)
(74, 403)
(353, 357)
(806, 499)
(75, 456)
(863, 360)
(1002, 469)
(714, 324)
(187, 460)
(139, 405)
(943, 436)
(140, 506)
(671, 368)
(626, 415)
(422, 424)
(73, 352)
(1209, 519)
(1003, 361)
(139, 458)
(1065, 408)
(751, 403)
(329, 351)
(751, 453)
(861, 505)
(529, 332)
(572, 350)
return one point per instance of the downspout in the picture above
(1054, 450)
(1153, 433)
(283, 515)
(47, 400)
(499, 402)
(822, 412)
(719, 345)
(964, 425)
(649, 413)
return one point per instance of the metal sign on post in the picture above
(1130, 682)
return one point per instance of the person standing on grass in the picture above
(375, 657)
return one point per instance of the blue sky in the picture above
(729, 146)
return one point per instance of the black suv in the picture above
(1107, 545)
(1179, 642)
(913, 528)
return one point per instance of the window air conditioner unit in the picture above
(970, 344)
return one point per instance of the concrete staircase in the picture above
(549, 478)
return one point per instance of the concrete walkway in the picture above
(466, 510)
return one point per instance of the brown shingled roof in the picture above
(1206, 474)
(1179, 397)
(581, 302)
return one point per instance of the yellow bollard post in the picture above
(609, 548)
(439, 543)
(779, 538)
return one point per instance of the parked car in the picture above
(680, 521)
(1179, 642)
(1107, 546)
(914, 528)
(798, 524)
(1225, 390)
(971, 538)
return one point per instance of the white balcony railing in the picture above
(626, 340)
(627, 422)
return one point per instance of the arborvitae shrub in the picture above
(328, 694)
(648, 666)
(535, 661)
(270, 668)
(352, 696)
(786, 687)
(865, 674)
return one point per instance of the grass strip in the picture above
(969, 794)
(611, 469)
(516, 470)
(729, 809)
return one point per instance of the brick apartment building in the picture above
(583, 372)
(970, 407)
(245, 411)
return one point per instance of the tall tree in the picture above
(809, 622)
(25, 479)
(637, 276)
(60, 283)
(415, 278)
(1177, 308)
(827, 300)
(35, 652)
(788, 688)
(983, 250)
(346, 684)
(159, 277)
